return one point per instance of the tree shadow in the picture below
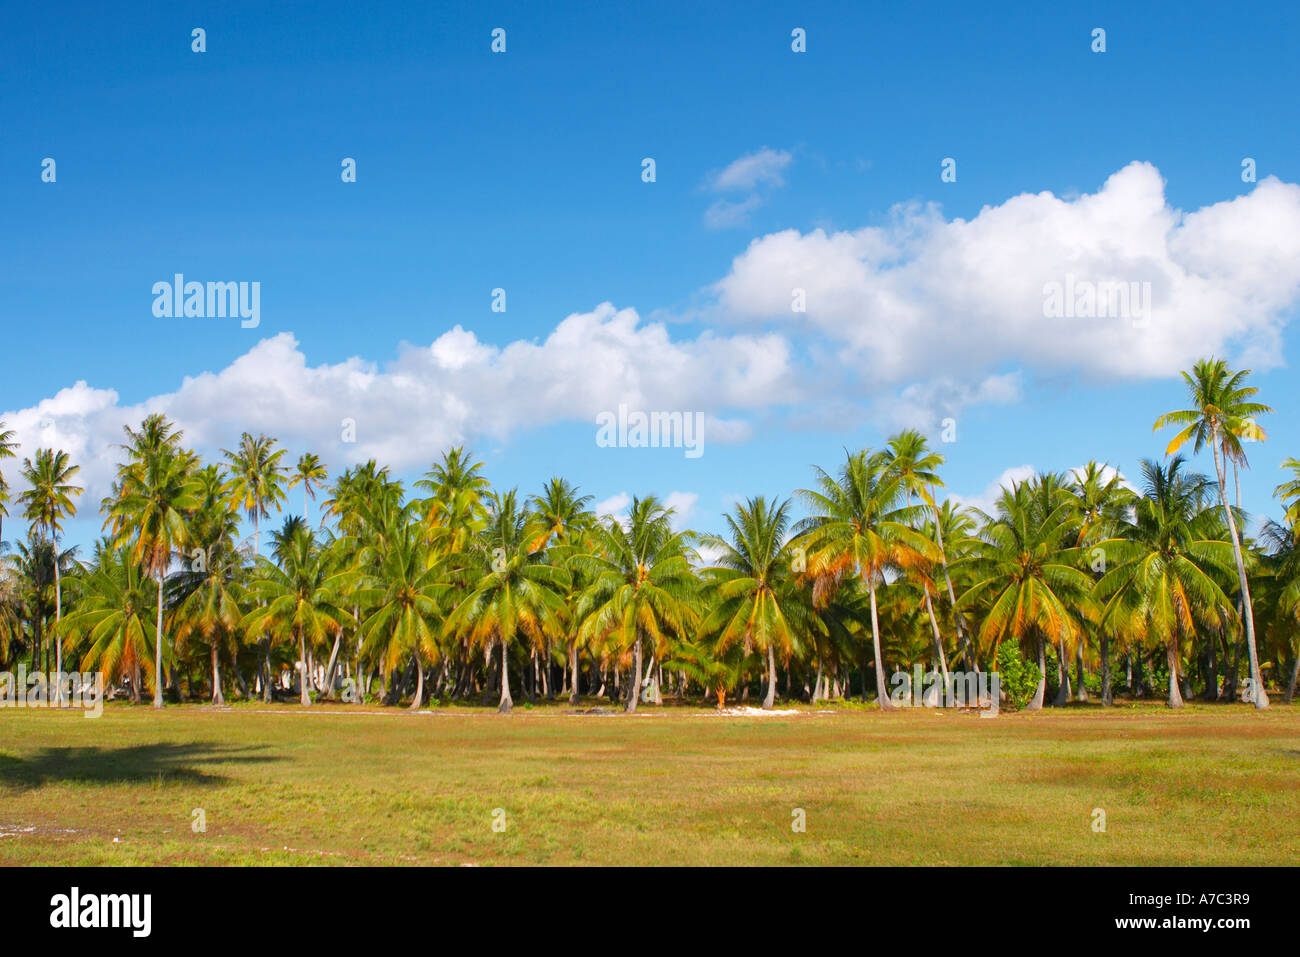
(158, 764)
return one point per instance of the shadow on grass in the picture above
(144, 763)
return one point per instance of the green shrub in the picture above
(1019, 678)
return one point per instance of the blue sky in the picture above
(522, 171)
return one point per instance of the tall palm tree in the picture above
(257, 479)
(1162, 585)
(562, 520)
(516, 593)
(8, 449)
(46, 502)
(1100, 505)
(641, 584)
(301, 598)
(407, 596)
(311, 474)
(756, 603)
(1221, 413)
(113, 620)
(150, 513)
(859, 526)
(1027, 575)
(455, 507)
(1289, 494)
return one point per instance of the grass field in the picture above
(339, 785)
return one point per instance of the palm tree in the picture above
(150, 511)
(1100, 505)
(311, 474)
(562, 520)
(641, 584)
(516, 593)
(256, 483)
(47, 501)
(7, 451)
(209, 591)
(112, 618)
(1027, 576)
(301, 597)
(756, 604)
(859, 526)
(1162, 585)
(1221, 413)
(1289, 493)
(407, 598)
(454, 509)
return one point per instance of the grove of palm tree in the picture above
(452, 591)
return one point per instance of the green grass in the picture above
(1209, 785)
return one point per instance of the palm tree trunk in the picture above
(938, 639)
(419, 684)
(1295, 672)
(329, 669)
(217, 697)
(1036, 702)
(634, 683)
(573, 667)
(1080, 689)
(1062, 676)
(962, 638)
(1175, 696)
(157, 661)
(881, 697)
(303, 679)
(771, 679)
(506, 702)
(1107, 697)
(1258, 695)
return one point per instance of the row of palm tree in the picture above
(450, 589)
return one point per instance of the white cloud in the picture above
(986, 500)
(452, 391)
(761, 168)
(754, 173)
(934, 305)
(681, 503)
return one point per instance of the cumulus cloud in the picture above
(430, 397)
(986, 500)
(946, 307)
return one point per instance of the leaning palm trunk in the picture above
(962, 638)
(58, 633)
(770, 700)
(881, 698)
(328, 689)
(1062, 676)
(1258, 695)
(938, 638)
(157, 662)
(1080, 689)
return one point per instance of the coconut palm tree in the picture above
(46, 502)
(114, 619)
(8, 449)
(311, 474)
(257, 479)
(1026, 575)
(1222, 412)
(300, 598)
(516, 594)
(1160, 583)
(1100, 505)
(562, 521)
(859, 526)
(149, 513)
(641, 586)
(455, 509)
(209, 590)
(1289, 494)
(408, 595)
(751, 588)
